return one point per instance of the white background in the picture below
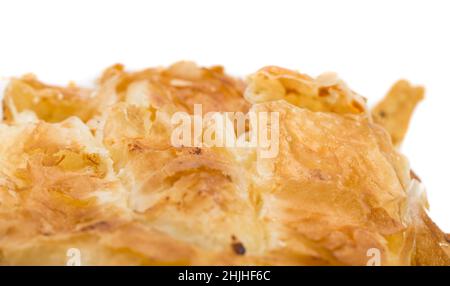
(370, 44)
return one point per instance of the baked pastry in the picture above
(94, 169)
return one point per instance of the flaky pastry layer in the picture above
(94, 169)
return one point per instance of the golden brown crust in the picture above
(107, 181)
(49, 103)
(395, 110)
(431, 246)
(325, 93)
(183, 84)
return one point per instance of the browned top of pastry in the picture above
(94, 169)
